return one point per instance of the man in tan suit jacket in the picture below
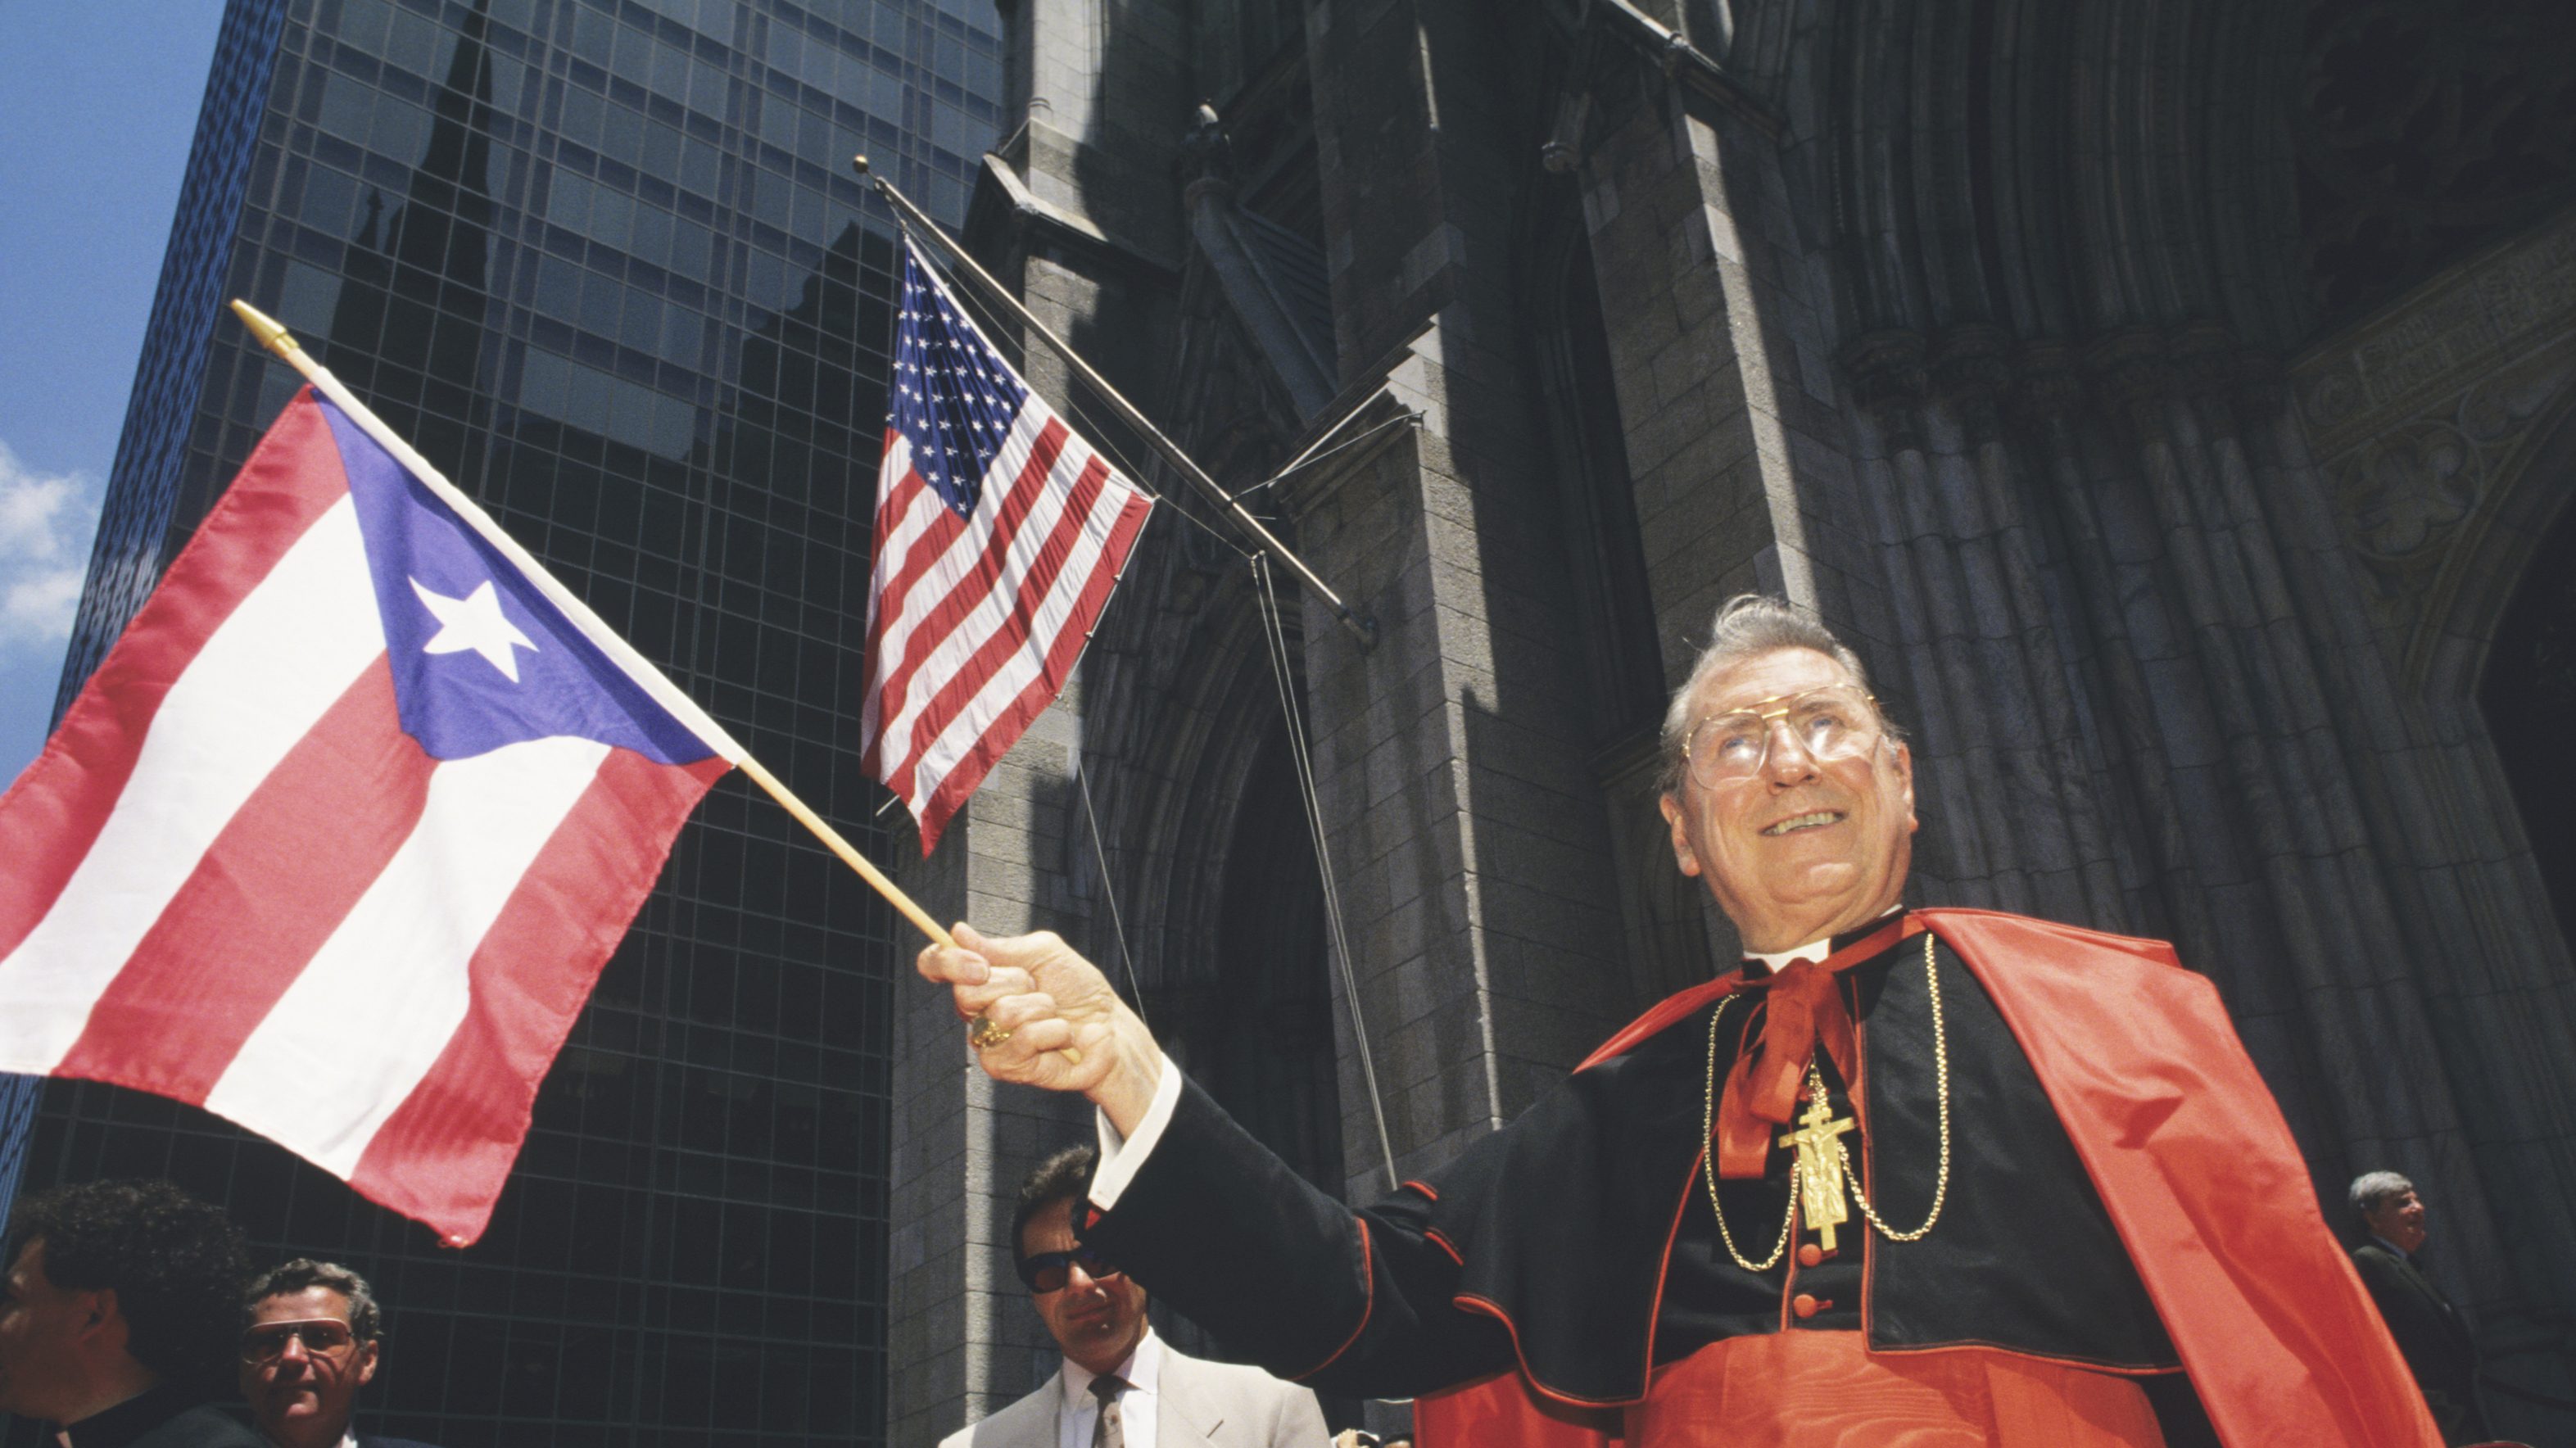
(1120, 1386)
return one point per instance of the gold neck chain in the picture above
(1816, 1087)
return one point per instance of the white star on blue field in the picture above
(474, 622)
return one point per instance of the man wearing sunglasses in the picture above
(1950, 1176)
(314, 1337)
(116, 1312)
(1120, 1386)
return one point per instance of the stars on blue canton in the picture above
(953, 397)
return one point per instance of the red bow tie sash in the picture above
(1805, 1011)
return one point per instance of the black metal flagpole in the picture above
(913, 218)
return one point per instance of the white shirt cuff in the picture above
(1122, 1157)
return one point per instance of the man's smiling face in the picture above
(1802, 848)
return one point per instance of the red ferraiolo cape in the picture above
(2193, 1161)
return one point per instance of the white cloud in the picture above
(46, 522)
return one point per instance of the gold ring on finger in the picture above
(984, 1033)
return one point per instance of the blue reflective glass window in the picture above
(348, 106)
(692, 250)
(707, 89)
(612, 216)
(583, 114)
(600, 304)
(621, 134)
(594, 36)
(641, 327)
(649, 235)
(362, 24)
(330, 201)
(770, 193)
(417, 44)
(401, 129)
(701, 166)
(661, 150)
(568, 201)
(778, 122)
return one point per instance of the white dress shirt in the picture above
(1137, 1407)
(1121, 1156)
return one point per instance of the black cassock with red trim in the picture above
(2118, 1178)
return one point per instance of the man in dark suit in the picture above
(116, 1315)
(315, 1337)
(1120, 1386)
(2429, 1332)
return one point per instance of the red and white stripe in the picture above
(232, 879)
(975, 623)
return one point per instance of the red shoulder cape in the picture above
(2195, 1165)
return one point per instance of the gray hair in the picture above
(1746, 625)
(366, 1319)
(2372, 1189)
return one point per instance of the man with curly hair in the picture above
(117, 1316)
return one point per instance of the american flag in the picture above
(999, 534)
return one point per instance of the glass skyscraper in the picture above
(605, 263)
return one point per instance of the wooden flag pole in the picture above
(651, 679)
(848, 852)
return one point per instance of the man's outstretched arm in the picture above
(1204, 1215)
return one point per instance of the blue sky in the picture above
(98, 101)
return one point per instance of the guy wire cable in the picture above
(1274, 636)
(1108, 888)
(1346, 445)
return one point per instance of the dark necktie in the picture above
(1108, 1431)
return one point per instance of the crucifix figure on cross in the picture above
(1820, 1168)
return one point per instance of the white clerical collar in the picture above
(1777, 960)
(1142, 1371)
(1813, 950)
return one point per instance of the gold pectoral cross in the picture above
(1820, 1167)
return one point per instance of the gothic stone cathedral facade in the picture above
(2174, 400)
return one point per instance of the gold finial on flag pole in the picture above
(271, 333)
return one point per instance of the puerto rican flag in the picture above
(999, 535)
(337, 839)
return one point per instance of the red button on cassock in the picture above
(1810, 1254)
(1804, 1305)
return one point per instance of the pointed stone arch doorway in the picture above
(1255, 1028)
(2527, 691)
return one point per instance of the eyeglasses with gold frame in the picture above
(321, 1336)
(1833, 722)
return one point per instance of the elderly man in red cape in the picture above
(1937, 1177)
